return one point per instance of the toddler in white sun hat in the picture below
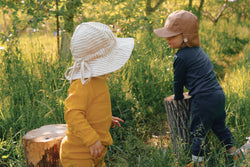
(96, 52)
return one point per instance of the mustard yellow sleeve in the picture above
(76, 106)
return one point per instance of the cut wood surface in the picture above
(178, 115)
(41, 146)
(246, 147)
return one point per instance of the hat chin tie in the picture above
(84, 67)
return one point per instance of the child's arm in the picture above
(96, 149)
(179, 77)
(115, 121)
(79, 126)
(75, 114)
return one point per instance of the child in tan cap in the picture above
(194, 70)
(97, 52)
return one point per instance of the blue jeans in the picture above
(208, 112)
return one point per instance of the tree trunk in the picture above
(200, 9)
(68, 16)
(41, 146)
(57, 30)
(48, 27)
(190, 4)
(149, 9)
(178, 114)
(4, 22)
(245, 149)
(65, 54)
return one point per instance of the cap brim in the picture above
(163, 32)
(113, 61)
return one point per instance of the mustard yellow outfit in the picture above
(88, 117)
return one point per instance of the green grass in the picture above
(33, 90)
(236, 87)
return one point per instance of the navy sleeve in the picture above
(179, 77)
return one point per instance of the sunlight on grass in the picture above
(36, 45)
(33, 90)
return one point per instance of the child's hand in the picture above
(96, 149)
(115, 121)
(186, 95)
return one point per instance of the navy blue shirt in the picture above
(194, 70)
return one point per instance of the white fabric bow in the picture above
(80, 66)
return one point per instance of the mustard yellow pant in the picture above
(84, 162)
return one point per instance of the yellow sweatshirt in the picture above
(88, 117)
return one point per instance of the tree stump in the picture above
(178, 115)
(41, 146)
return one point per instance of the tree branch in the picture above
(157, 5)
(150, 9)
(190, 4)
(34, 18)
(201, 5)
(215, 19)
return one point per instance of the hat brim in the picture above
(164, 33)
(111, 62)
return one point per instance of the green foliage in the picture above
(28, 89)
(221, 42)
(33, 88)
(133, 152)
(234, 44)
(237, 89)
(11, 151)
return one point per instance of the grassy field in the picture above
(33, 90)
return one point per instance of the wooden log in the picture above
(178, 115)
(41, 146)
(245, 149)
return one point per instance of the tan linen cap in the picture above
(181, 22)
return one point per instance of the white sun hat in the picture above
(96, 51)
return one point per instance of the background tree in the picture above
(33, 89)
(216, 10)
(124, 16)
(149, 9)
(216, 18)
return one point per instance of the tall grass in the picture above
(32, 94)
(237, 88)
(33, 90)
